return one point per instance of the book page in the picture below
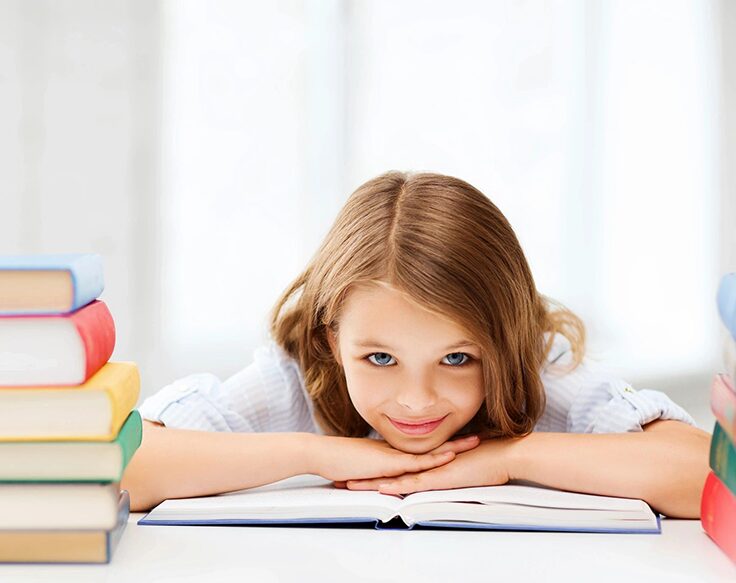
(295, 498)
(521, 515)
(527, 496)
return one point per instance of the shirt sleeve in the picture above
(266, 396)
(590, 399)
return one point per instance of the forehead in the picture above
(386, 310)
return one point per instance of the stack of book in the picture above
(67, 423)
(718, 505)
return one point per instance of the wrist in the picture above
(517, 457)
(309, 446)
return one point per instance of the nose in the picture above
(416, 393)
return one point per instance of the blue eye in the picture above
(461, 355)
(379, 354)
(383, 357)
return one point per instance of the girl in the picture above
(413, 353)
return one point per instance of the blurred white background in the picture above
(205, 147)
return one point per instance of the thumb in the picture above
(458, 445)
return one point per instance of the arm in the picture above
(181, 463)
(666, 465)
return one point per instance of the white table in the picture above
(209, 554)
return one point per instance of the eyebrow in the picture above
(375, 344)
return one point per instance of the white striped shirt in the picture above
(269, 395)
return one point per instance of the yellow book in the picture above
(93, 411)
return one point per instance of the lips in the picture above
(422, 427)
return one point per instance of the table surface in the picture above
(683, 552)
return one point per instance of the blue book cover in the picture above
(82, 282)
(362, 522)
(727, 302)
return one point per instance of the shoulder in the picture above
(282, 375)
(561, 381)
(594, 398)
(275, 365)
(560, 353)
(562, 384)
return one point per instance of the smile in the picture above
(418, 428)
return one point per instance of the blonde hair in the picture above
(446, 245)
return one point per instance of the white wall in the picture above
(79, 117)
(727, 40)
(205, 147)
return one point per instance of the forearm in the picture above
(665, 467)
(179, 463)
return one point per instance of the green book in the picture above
(723, 457)
(71, 461)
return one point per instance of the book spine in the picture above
(114, 536)
(718, 515)
(723, 403)
(726, 299)
(88, 280)
(130, 437)
(723, 457)
(95, 326)
(123, 395)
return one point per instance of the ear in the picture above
(334, 346)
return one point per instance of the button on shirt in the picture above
(269, 395)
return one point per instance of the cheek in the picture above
(465, 392)
(365, 392)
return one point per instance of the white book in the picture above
(30, 506)
(314, 500)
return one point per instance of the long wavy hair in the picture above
(446, 245)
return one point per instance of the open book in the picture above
(305, 500)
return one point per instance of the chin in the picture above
(415, 444)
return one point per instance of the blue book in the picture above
(726, 299)
(313, 501)
(49, 284)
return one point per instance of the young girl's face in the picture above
(414, 376)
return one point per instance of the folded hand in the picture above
(484, 465)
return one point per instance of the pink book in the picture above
(723, 402)
(729, 356)
(51, 350)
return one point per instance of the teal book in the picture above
(71, 461)
(49, 284)
(723, 457)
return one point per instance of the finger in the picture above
(410, 464)
(439, 478)
(458, 445)
(340, 484)
(371, 484)
(406, 484)
(419, 462)
(434, 479)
